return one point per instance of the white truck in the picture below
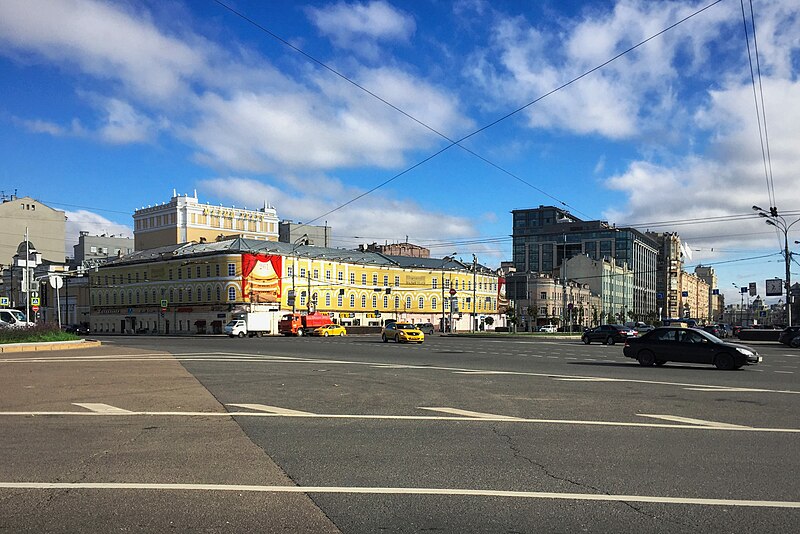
(251, 324)
(11, 318)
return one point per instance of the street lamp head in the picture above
(770, 222)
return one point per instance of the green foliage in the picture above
(36, 334)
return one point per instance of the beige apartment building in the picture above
(46, 228)
(611, 282)
(716, 301)
(694, 301)
(184, 219)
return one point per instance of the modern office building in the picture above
(185, 219)
(544, 237)
(45, 226)
(201, 285)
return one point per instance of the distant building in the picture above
(694, 297)
(291, 232)
(611, 282)
(99, 248)
(46, 227)
(544, 237)
(540, 299)
(184, 219)
(669, 268)
(716, 301)
(398, 249)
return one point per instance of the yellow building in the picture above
(694, 294)
(185, 219)
(197, 287)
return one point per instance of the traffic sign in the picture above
(163, 303)
(4, 301)
(35, 308)
(35, 301)
(452, 291)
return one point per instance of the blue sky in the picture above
(109, 106)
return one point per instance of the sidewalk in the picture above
(48, 346)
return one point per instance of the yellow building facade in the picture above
(184, 219)
(197, 287)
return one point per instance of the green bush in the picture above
(35, 334)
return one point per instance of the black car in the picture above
(608, 334)
(714, 330)
(788, 335)
(688, 345)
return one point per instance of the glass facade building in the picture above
(543, 237)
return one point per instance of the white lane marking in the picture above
(468, 413)
(270, 409)
(377, 417)
(100, 408)
(586, 379)
(480, 372)
(689, 420)
(230, 357)
(727, 389)
(784, 372)
(461, 492)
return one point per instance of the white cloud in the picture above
(359, 26)
(124, 125)
(88, 221)
(319, 195)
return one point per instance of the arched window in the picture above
(231, 293)
(327, 300)
(421, 303)
(385, 302)
(374, 301)
(408, 303)
(363, 301)
(434, 303)
(352, 301)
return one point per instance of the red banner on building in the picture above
(502, 300)
(261, 277)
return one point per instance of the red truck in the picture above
(295, 324)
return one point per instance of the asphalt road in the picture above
(350, 434)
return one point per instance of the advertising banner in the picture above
(502, 300)
(261, 277)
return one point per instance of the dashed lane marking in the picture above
(476, 417)
(270, 409)
(689, 420)
(104, 409)
(467, 413)
(452, 492)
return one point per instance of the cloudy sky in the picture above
(345, 113)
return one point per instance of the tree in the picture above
(533, 313)
(489, 320)
(594, 316)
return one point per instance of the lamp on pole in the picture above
(474, 325)
(302, 240)
(445, 259)
(774, 219)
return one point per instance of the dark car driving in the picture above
(789, 334)
(688, 345)
(608, 334)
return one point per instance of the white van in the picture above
(10, 318)
(547, 328)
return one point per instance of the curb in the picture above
(48, 346)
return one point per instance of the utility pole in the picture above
(773, 219)
(474, 293)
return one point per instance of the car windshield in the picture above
(18, 315)
(402, 326)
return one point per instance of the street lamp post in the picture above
(445, 259)
(741, 304)
(773, 219)
(302, 240)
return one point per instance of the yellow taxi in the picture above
(330, 330)
(402, 333)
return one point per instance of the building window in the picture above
(375, 279)
(208, 294)
(316, 274)
(303, 298)
(434, 303)
(302, 272)
(219, 294)
(374, 301)
(408, 303)
(363, 301)
(363, 279)
(169, 275)
(352, 301)
(340, 276)
(231, 293)
(216, 271)
(385, 301)
(543, 295)
(352, 278)
(434, 282)
(385, 279)
(208, 271)
(421, 303)
(180, 273)
(231, 269)
(340, 300)
(327, 274)
(289, 270)
(396, 281)
(396, 302)
(327, 300)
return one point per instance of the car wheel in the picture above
(324, 334)
(384, 338)
(241, 334)
(725, 362)
(586, 340)
(795, 342)
(300, 332)
(660, 362)
(609, 340)
(646, 358)
(341, 334)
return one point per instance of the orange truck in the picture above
(295, 324)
